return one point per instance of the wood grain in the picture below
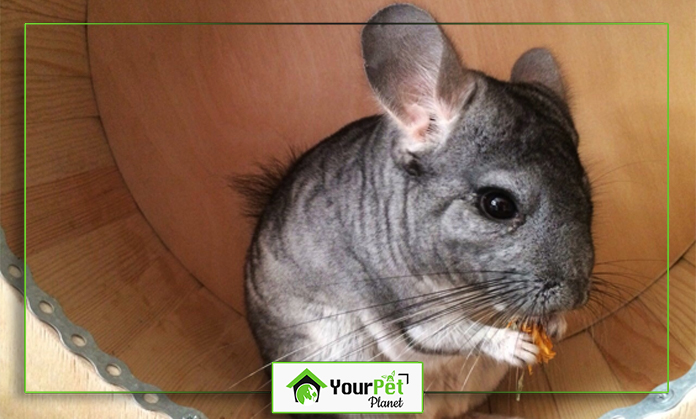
(11, 179)
(567, 372)
(69, 149)
(52, 367)
(64, 149)
(682, 304)
(12, 38)
(121, 280)
(214, 349)
(67, 208)
(73, 206)
(640, 365)
(49, 98)
(51, 49)
(71, 10)
(529, 405)
(57, 50)
(690, 255)
(230, 406)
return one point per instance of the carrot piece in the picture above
(540, 339)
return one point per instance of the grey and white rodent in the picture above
(420, 234)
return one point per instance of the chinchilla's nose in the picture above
(567, 261)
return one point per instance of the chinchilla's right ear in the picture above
(539, 66)
(415, 73)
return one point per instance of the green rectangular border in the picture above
(354, 362)
(315, 24)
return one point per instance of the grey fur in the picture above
(538, 66)
(355, 252)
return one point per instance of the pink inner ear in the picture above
(416, 121)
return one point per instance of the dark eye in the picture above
(497, 204)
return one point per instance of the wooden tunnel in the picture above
(132, 131)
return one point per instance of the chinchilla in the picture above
(422, 233)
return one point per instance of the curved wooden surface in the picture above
(87, 243)
(128, 276)
(186, 106)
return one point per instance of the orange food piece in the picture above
(540, 339)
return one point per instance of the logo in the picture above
(347, 387)
(386, 387)
(306, 387)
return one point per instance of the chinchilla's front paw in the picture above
(556, 327)
(512, 347)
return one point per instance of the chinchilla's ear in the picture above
(538, 66)
(415, 73)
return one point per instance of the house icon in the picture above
(306, 387)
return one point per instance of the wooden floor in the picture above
(145, 302)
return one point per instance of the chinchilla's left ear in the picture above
(415, 73)
(538, 66)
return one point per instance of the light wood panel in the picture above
(566, 372)
(634, 343)
(65, 148)
(12, 38)
(682, 304)
(529, 405)
(83, 225)
(73, 154)
(11, 180)
(191, 126)
(55, 150)
(230, 406)
(73, 206)
(49, 98)
(72, 10)
(52, 367)
(87, 243)
(58, 87)
(118, 291)
(214, 348)
(690, 255)
(51, 50)
(57, 50)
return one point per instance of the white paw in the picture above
(556, 327)
(515, 348)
